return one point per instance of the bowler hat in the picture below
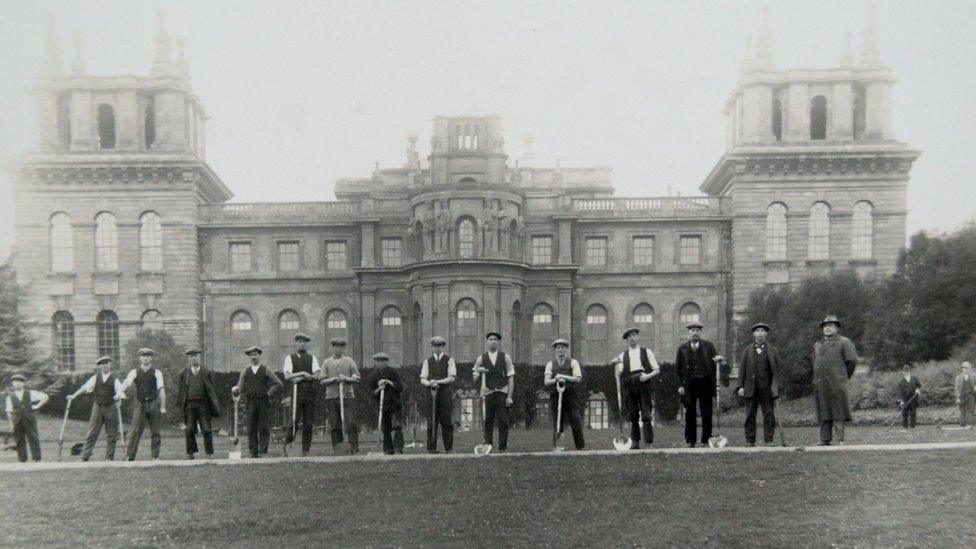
(629, 331)
(830, 319)
(255, 350)
(758, 325)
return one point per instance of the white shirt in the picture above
(131, 378)
(35, 396)
(577, 371)
(635, 359)
(451, 367)
(509, 370)
(254, 368)
(287, 368)
(89, 385)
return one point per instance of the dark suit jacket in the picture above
(183, 388)
(906, 389)
(682, 363)
(747, 370)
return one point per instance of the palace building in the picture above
(121, 225)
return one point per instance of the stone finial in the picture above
(870, 54)
(747, 56)
(52, 50)
(847, 58)
(78, 67)
(413, 157)
(764, 43)
(162, 61)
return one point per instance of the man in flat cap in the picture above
(21, 403)
(341, 373)
(636, 366)
(909, 391)
(257, 383)
(834, 359)
(965, 389)
(759, 383)
(695, 364)
(438, 373)
(108, 394)
(197, 399)
(386, 381)
(149, 405)
(566, 371)
(499, 386)
(300, 369)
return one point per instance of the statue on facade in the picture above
(443, 227)
(489, 224)
(428, 228)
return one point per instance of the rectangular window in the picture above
(689, 251)
(288, 256)
(240, 257)
(541, 250)
(596, 250)
(391, 321)
(335, 256)
(643, 250)
(391, 252)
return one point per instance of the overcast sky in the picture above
(300, 94)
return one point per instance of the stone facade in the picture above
(456, 244)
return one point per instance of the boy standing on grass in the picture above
(966, 394)
(386, 380)
(499, 374)
(21, 403)
(564, 370)
(909, 391)
(108, 396)
(340, 372)
(636, 366)
(438, 373)
(257, 383)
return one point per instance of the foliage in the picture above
(17, 352)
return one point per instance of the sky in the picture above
(302, 93)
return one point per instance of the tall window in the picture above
(818, 118)
(596, 250)
(64, 120)
(288, 256)
(466, 330)
(242, 336)
(541, 250)
(819, 242)
(643, 250)
(62, 244)
(391, 333)
(690, 250)
(152, 320)
(149, 122)
(106, 243)
(150, 242)
(391, 252)
(106, 127)
(689, 312)
(644, 321)
(466, 238)
(240, 257)
(289, 323)
(63, 340)
(863, 231)
(777, 120)
(336, 325)
(595, 351)
(542, 333)
(335, 256)
(107, 335)
(776, 232)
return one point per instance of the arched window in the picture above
(777, 120)
(819, 244)
(467, 137)
(644, 321)
(64, 120)
(152, 320)
(597, 412)
(516, 331)
(776, 232)
(818, 118)
(689, 312)
(595, 330)
(466, 331)
(391, 333)
(62, 244)
(63, 340)
(460, 137)
(543, 331)
(150, 123)
(418, 332)
(466, 238)
(862, 239)
(289, 324)
(242, 336)
(474, 140)
(107, 335)
(336, 325)
(150, 242)
(106, 127)
(106, 243)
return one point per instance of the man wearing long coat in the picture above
(196, 398)
(695, 366)
(834, 359)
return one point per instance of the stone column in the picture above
(565, 238)
(368, 311)
(566, 315)
(797, 113)
(368, 245)
(127, 122)
(82, 130)
(841, 110)
(757, 110)
(877, 119)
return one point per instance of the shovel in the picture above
(483, 449)
(379, 427)
(118, 408)
(560, 388)
(433, 412)
(718, 440)
(620, 443)
(294, 416)
(64, 422)
(235, 452)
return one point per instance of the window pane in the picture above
(106, 243)
(107, 334)
(289, 321)
(863, 236)
(776, 232)
(690, 312)
(643, 250)
(288, 256)
(150, 242)
(596, 251)
(644, 321)
(240, 257)
(466, 238)
(690, 250)
(819, 244)
(63, 336)
(62, 244)
(541, 250)
(391, 252)
(335, 256)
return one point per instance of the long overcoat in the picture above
(833, 359)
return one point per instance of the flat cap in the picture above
(381, 356)
(338, 342)
(629, 331)
(302, 337)
(255, 350)
(17, 377)
(496, 334)
(560, 341)
(830, 319)
(193, 351)
(146, 351)
(691, 325)
(758, 325)
(438, 340)
(103, 360)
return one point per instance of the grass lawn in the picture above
(909, 498)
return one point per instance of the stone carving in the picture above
(489, 225)
(443, 227)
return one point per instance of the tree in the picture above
(17, 351)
